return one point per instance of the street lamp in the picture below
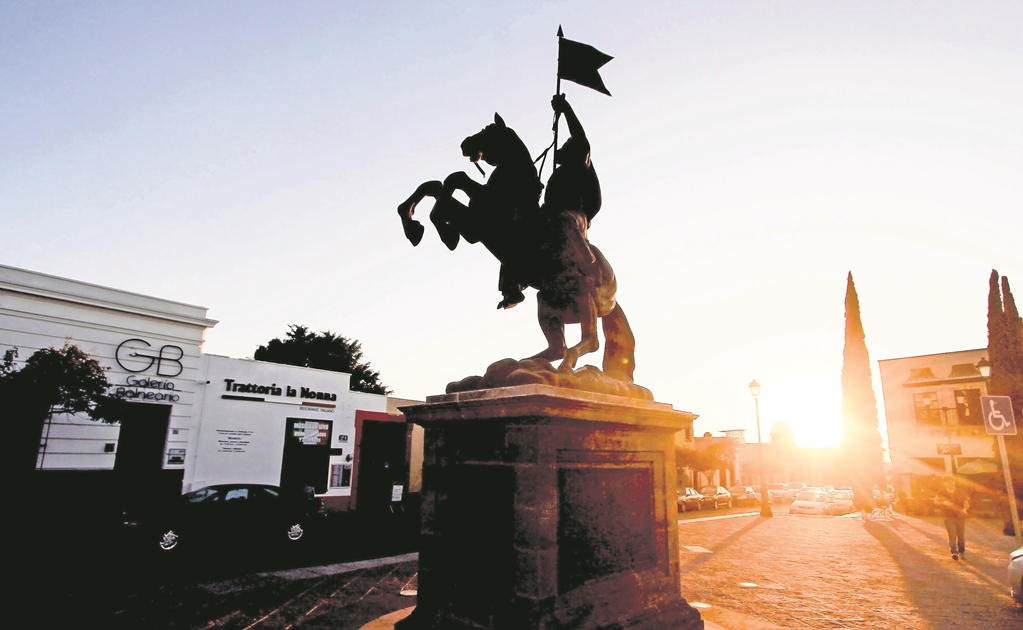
(765, 499)
(984, 367)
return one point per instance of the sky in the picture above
(249, 157)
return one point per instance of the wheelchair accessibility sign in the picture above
(998, 418)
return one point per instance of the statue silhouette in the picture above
(543, 247)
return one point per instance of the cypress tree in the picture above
(861, 444)
(997, 342)
(1005, 352)
(1014, 344)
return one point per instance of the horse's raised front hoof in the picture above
(413, 231)
(448, 234)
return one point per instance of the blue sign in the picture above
(998, 418)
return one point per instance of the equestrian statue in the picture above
(544, 246)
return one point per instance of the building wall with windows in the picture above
(198, 419)
(932, 406)
(150, 347)
(783, 461)
(276, 424)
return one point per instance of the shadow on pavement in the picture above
(941, 591)
(699, 559)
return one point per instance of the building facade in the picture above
(197, 419)
(932, 404)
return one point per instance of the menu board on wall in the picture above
(312, 432)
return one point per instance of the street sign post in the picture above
(1000, 421)
(998, 417)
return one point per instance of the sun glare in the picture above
(811, 405)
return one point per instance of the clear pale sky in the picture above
(249, 157)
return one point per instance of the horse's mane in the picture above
(517, 149)
(518, 160)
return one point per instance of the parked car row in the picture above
(709, 497)
(823, 502)
(744, 495)
(805, 499)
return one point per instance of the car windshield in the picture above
(816, 497)
(840, 495)
(776, 486)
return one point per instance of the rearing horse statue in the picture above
(574, 282)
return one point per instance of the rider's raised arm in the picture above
(560, 105)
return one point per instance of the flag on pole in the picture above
(579, 63)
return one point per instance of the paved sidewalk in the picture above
(825, 572)
(743, 572)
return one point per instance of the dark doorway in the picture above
(306, 461)
(381, 464)
(141, 441)
(138, 465)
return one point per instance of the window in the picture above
(340, 475)
(926, 408)
(237, 494)
(200, 495)
(263, 495)
(968, 407)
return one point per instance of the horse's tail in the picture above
(619, 345)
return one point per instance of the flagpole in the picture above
(557, 115)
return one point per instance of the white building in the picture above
(198, 419)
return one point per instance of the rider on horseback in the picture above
(571, 201)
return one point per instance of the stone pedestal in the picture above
(548, 508)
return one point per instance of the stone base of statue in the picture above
(548, 508)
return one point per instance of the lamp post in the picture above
(947, 424)
(765, 499)
(984, 367)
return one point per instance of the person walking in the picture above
(954, 504)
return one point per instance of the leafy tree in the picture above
(863, 465)
(1005, 352)
(51, 381)
(718, 455)
(323, 351)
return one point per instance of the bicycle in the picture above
(883, 511)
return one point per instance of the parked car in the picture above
(716, 496)
(744, 495)
(776, 490)
(794, 489)
(843, 501)
(1016, 575)
(813, 502)
(689, 499)
(238, 512)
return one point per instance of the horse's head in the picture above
(496, 144)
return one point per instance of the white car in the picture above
(795, 487)
(1016, 574)
(813, 502)
(843, 501)
(776, 490)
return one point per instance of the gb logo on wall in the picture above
(138, 355)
